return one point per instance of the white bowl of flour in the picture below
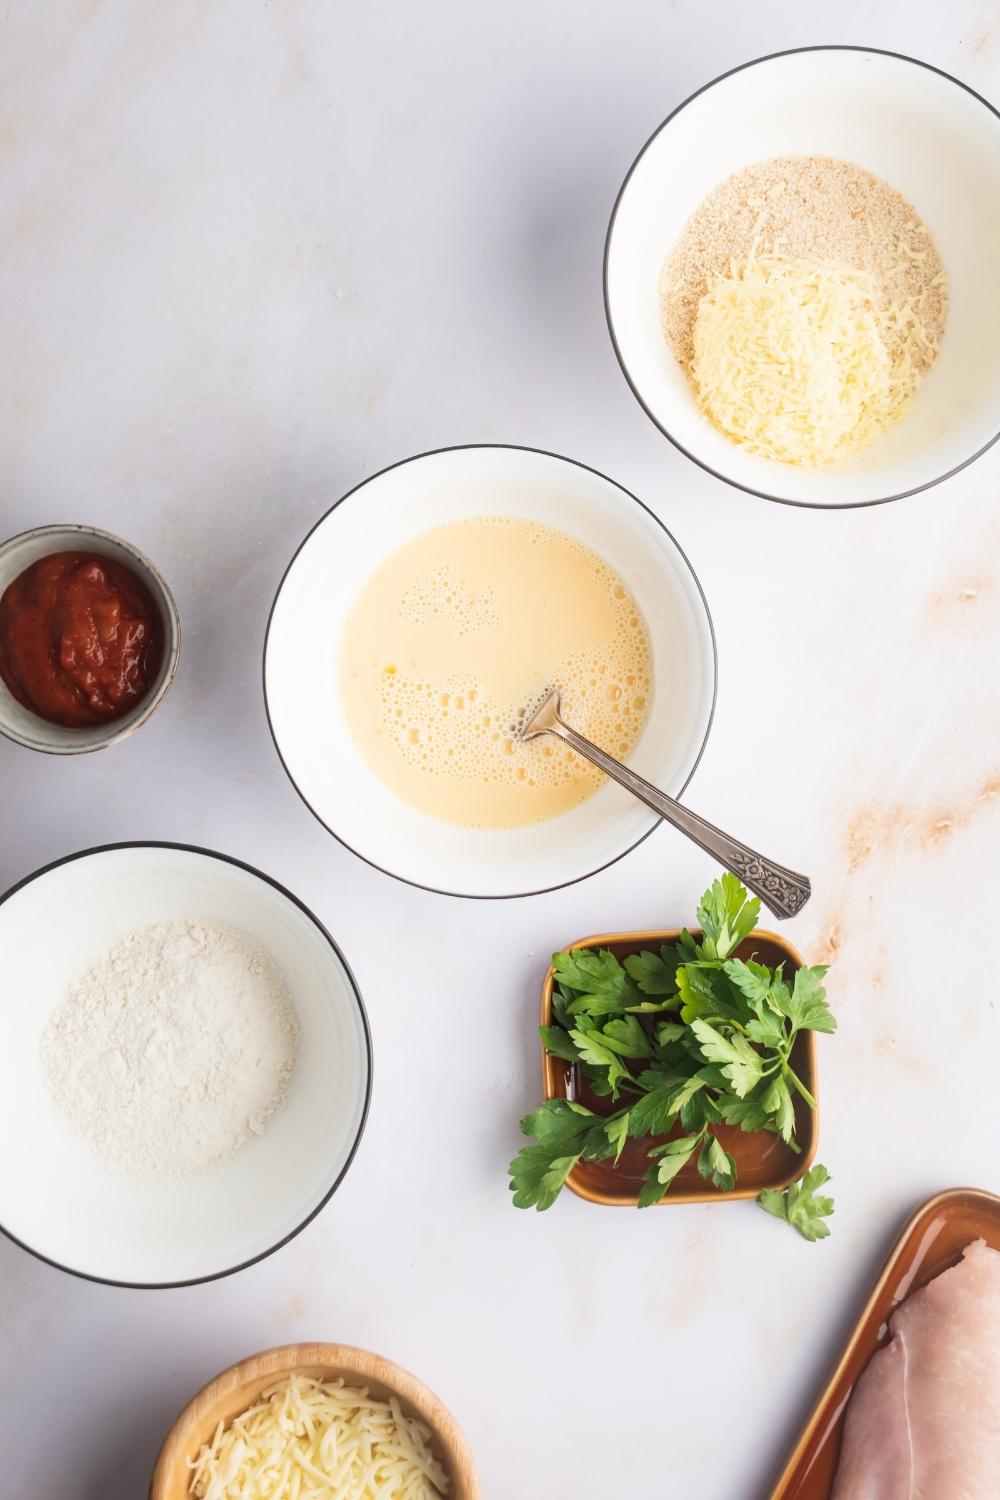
(184, 1074)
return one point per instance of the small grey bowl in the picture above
(26, 728)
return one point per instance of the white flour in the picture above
(172, 1049)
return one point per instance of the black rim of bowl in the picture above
(716, 474)
(561, 458)
(121, 729)
(229, 859)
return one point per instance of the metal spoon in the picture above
(783, 892)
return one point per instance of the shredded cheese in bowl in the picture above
(307, 1439)
(791, 358)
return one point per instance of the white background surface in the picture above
(250, 253)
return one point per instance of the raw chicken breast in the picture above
(923, 1421)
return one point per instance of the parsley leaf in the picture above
(617, 1132)
(727, 916)
(716, 1165)
(600, 983)
(653, 1114)
(559, 1123)
(777, 1101)
(799, 1206)
(698, 1111)
(655, 974)
(561, 1128)
(597, 1081)
(671, 1157)
(559, 1043)
(587, 969)
(807, 1008)
(768, 1030)
(746, 1113)
(537, 1177)
(706, 991)
(753, 979)
(740, 1063)
(656, 1112)
(594, 1050)
(627, 1037)
(687, 948)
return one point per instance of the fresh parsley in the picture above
(799, 1206)
(679, 1042)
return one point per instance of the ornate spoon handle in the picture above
(784, 892)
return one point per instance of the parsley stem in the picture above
(800, 1086)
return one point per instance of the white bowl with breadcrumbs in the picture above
(929, 137)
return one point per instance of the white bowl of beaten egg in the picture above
(185, 1064)
(884, 175)
(427, 610)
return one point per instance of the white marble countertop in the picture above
(250, 253)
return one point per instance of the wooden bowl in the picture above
(241, 1385)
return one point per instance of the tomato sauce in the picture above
(81, 639)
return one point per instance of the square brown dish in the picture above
(932, 1242)
(762, 1159)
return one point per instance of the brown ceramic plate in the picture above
(762, 1159)
(932, 1241)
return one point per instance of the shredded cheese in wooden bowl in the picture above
(307, 1439)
